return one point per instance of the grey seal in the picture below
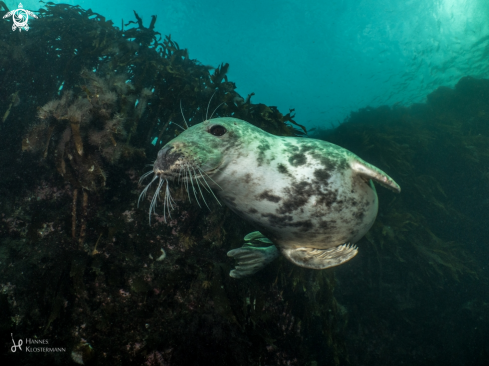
(308, 199)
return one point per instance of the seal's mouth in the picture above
(166, 161)
(176, 166)
(213, 170)
(168, 174)
(183, 171)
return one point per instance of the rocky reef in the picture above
(423, 264)
(81, 268)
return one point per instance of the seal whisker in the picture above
(213, 180)
(186, 183)
(179, 174)
(181, 110)
(216, 109)
(198, 186)
(209, 104)
(183, 129)
(200, 183)
(170, 198)
(199, 177)
(154, 201)
(193, 187)
(143, 177)
(167, 203)
(210, 189)
(164, 205)
(197, 180)
(143, 193)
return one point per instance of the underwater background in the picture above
(322, 58)
(87, 98)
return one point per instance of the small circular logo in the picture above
(20, 17)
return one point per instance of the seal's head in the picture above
(202, 149)
(196, 155)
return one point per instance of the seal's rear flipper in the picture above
(320, 258)
(251, 258)
(367, 171)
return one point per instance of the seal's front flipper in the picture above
(256, 238)
(251, 258)
(368, 171)
(320, 258)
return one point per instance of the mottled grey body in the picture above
(299, 192)
(309, 197)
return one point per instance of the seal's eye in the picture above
(217, 130)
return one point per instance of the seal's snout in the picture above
(165, 160)
(164, 152)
